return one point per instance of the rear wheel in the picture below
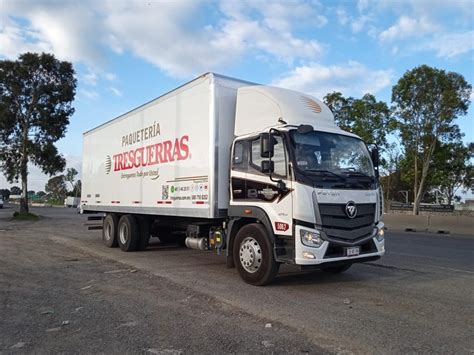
(336, 269)
(128, 233)
(253, 255)
(109, 230)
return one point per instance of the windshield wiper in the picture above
(322, 171)
(358, 173)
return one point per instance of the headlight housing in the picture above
(311, 239)
(380, 235)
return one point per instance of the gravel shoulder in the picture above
(58, 299)
(417, 299)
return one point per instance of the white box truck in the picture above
(223, 164)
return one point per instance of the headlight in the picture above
(380, 235)
(311, 239)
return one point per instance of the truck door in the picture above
(250, 187)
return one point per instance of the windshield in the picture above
(331, 154)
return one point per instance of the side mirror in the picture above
(266, 145)
(267, 167)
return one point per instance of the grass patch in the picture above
(25, 216)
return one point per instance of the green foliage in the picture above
(77, 188)
(25, 216)
(70, 176)
(453, 168)
(426, 103)
(56, 187)
(368, 118)
(36, 94)
(4, 194)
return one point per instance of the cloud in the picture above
(69, 30)
(115, 91)
(89, 94)
(90, 78)
(452, 44)
(177, 37)
(407, 27)
(351, 79)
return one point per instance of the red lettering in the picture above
(159, 153)
(150, 154)
(184, 147)
(139, 158)
(176, 150)
(167, 151)
(167, 146)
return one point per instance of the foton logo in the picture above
(280, 226)
(159, 153)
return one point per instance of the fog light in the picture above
(308, 255)
(381, 235)
(311, 239)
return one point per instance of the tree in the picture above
(36, 94)
(4, 194)
(71, 174)
(426, 102)
(41, 194)
(56, 186)
(15, 190)
(368, 118)
(77, 188)
(453, 168)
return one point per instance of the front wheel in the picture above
(253, 255)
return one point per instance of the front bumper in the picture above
(329, 253)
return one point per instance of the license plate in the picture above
(352, 251)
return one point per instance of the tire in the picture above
(109, 230)
(145, 232)
(253, 255)
(336, 269)
(128, 233)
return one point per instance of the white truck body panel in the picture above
(265, 105)
(167, 156)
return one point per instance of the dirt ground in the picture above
(62, 291)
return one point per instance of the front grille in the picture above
(338, 225)
(337, 251)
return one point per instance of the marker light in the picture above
(308, 255)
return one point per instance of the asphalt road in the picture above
(417, 299)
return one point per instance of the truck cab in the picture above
(311, 187)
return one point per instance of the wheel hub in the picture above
(123, 234)
(250, 255)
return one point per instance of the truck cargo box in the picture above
(168, 157)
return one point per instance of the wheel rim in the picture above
(108, 231)
(123, 233)
(250, 255)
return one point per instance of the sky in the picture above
(127, 52)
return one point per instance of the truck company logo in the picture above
(351, 209)
(158, 153)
